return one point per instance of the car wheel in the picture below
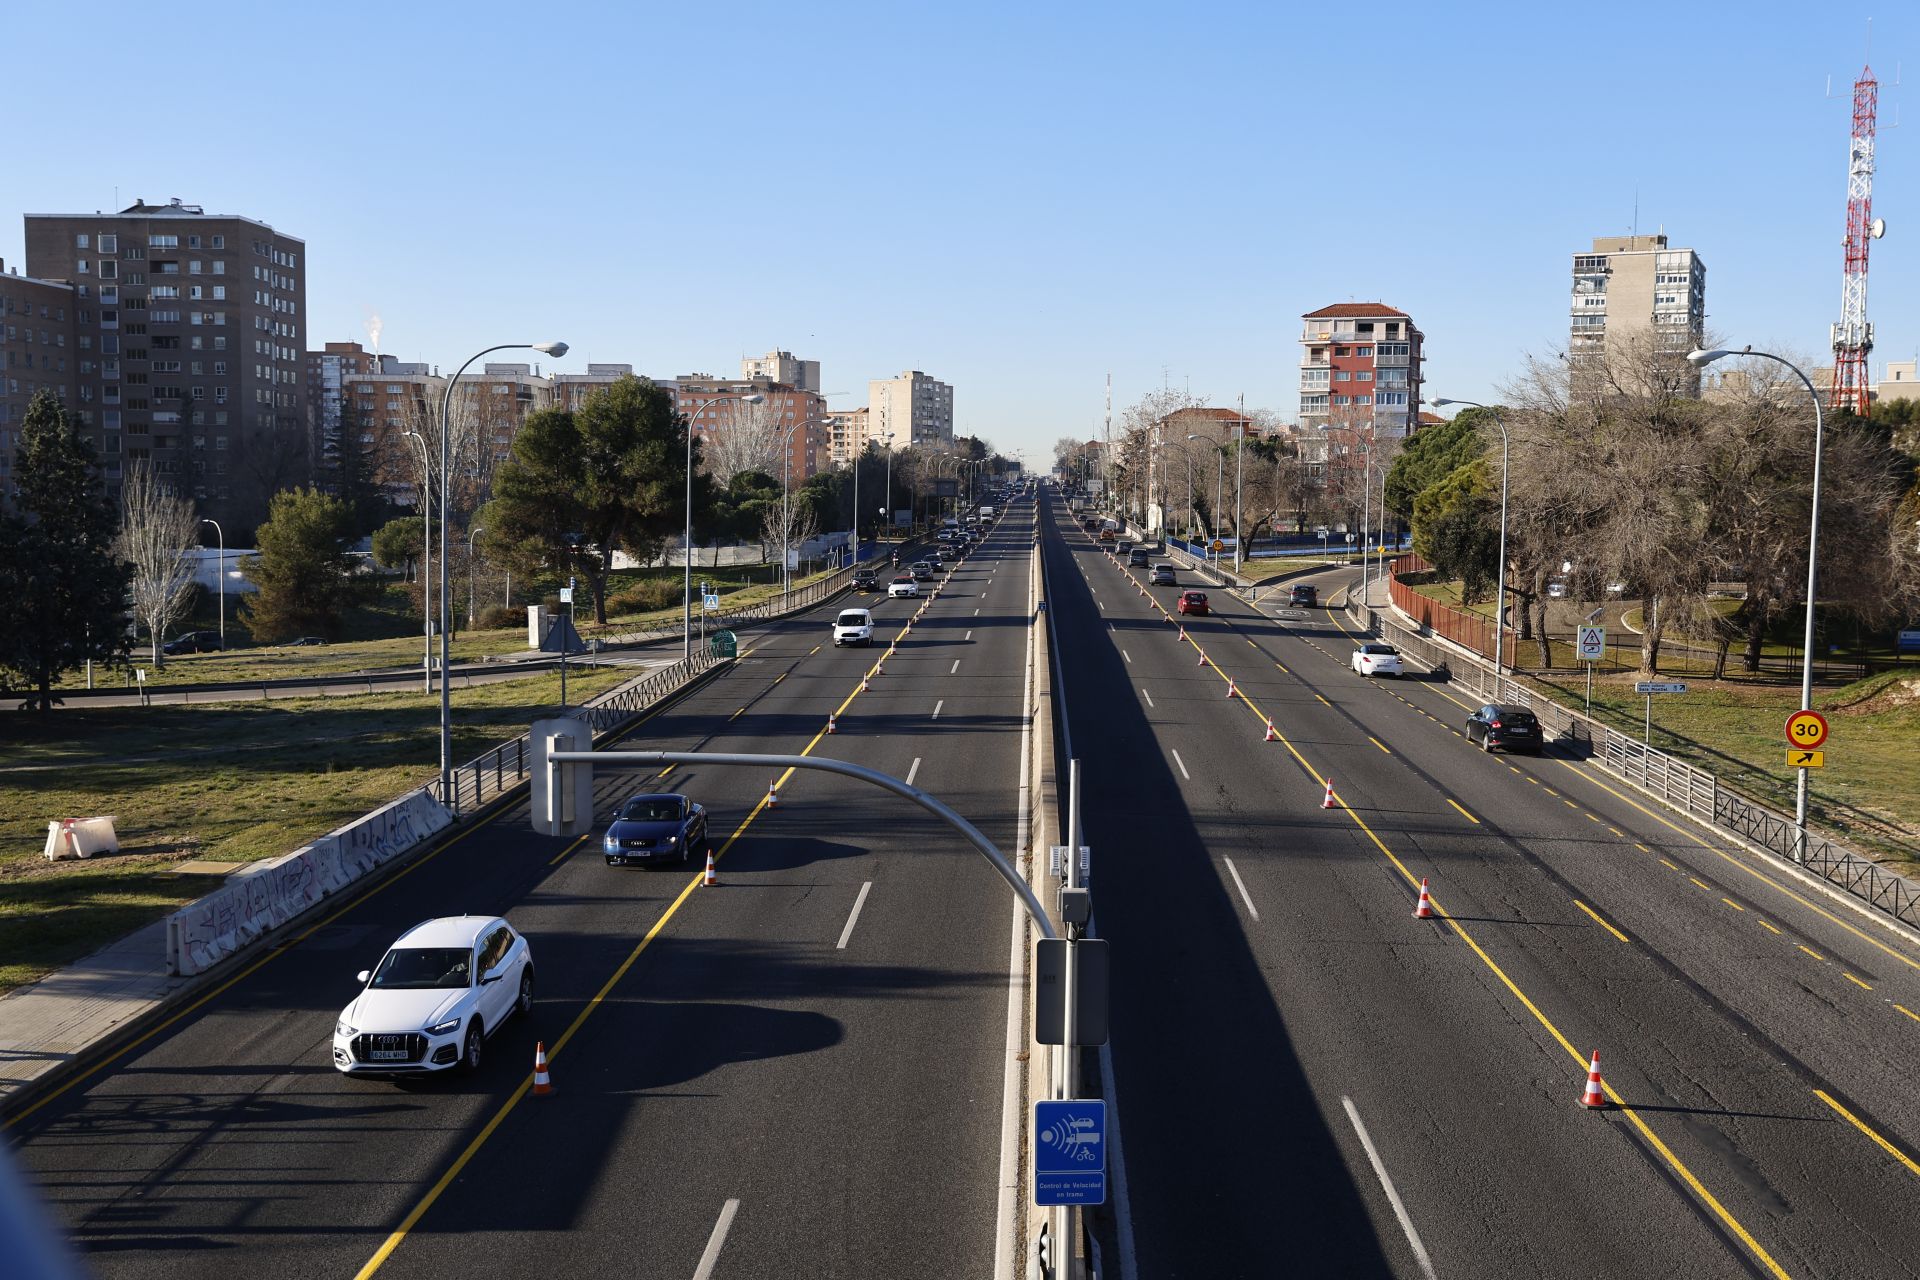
(1486, 745)
(470, 1053)
(524, 1005)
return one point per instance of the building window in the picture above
(109, 243)
(219, 242)
(82, 241)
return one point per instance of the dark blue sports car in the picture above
(656, 828)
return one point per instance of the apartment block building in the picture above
(570, 390)
(327, 373)
(39, 351)
(1636, 291)
(712, 404)
(396, 397)
(1360, 369)
(780, 366)
(193, 327)
(913, 408)
(846, 436)
(1899, 382)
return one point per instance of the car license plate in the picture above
(388, 1055)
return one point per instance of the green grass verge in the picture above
(231, 782)
(1869, 791)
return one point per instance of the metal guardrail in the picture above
(1689, 788)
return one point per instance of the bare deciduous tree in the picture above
(157, 530)
(748, 437)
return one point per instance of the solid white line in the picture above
(1386, 1184)
(955, 667)
(716, 1241)
(1146, 695)
(853, 919)
(1183, 765)
(1244, 895)
(937, 706)
(915, 769)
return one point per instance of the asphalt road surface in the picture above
(1311, 1081)
(798, 1072)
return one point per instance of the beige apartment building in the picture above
(39, 351)
(781, 367)
(913, 408)
(193, 328)
(846, 436)
(1899, 381)
(1637, 290)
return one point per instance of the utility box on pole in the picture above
(562, 794)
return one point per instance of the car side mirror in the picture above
(489, 978)
(363, 976)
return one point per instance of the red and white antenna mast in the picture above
(1853, 336)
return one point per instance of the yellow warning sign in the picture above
(1806, 759)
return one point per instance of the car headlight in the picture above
(610, 842)
(344, 1031)
(673, 839)
(443, 1028)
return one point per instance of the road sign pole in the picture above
(1646, 738)
(1590, 691)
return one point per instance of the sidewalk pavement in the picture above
(47, 1024)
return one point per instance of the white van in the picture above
(853, 626)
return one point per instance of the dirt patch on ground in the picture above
(1901, 693)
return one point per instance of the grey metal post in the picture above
(1239, 488)
(221, 535)
(472, 532)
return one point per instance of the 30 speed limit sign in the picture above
(1806, 729)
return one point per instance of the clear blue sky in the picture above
(1018, 199)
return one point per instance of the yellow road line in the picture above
(1879, 1141)
(1591, 818)
(1730, 902)
(1642, 848)
(782, 676)
(1617, 832)
(1323, 700)
(1376, 742)
(1510, 768)
(664, 772)
(1910, 1013)
(1552, 792)
(1597, 920)
(1810, 951)
(1679, 1167)
(1810, 905)
(1771, 929)
(569, 849)
(1463, 813)
(1702, 883)
(1855, 981)
(1665, 863)
(736, 715)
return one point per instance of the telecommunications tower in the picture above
(1853, 336)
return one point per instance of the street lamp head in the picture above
(1442, 403)
(554, 349)
(755, 398)
(1701, 359)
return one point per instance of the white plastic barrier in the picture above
(81, 838)
(205, 932)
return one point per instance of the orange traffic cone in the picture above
(830, 723)
(863, 684)
(1231, 691)
(1593, 1097)
(1423, 909)
(1271, 735)
(773, 794)
(709, 880)
(542, 1084)
(1183, 627)
(1327, 801)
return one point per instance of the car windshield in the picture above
(424, 969)
(853, 619)
(650, 810)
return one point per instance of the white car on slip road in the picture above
(853, 626)
(443, 987)
(1377, 660)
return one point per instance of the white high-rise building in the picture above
(1638, 289)
(913, 408)
(780, 366)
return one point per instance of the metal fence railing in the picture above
(1695, 791)
(495, 772)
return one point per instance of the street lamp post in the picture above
(1189, 452)
(556, 350)
(886, 508)
(1500, 589)
(1239, 484)
(221, 535)
(1700, 360)
(426, 557)
(472, 532)
(686, 541)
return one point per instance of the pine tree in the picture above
(65, 588)
(304, 573)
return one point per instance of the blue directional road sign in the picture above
(1070, 1152)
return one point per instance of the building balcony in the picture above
(1392, 362)
(1315, 364)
